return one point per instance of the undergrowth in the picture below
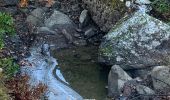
(162, 8)
(6, 27)
(7, 65)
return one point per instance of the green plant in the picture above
(162, 6)
(9, 66)
(6, 27)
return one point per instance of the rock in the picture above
(137, 41)
(140, 72)
(116, 79)
(58, 18)
(141, 89)
(45, 50)
(1, 70)
(128, 4)
(105, 13)
(80, 42)
(89, 33)
(67, 36)
(84, 18)
(36, 17)
(132, 88)
(10, 10)
(45, 30)
(143, 2)
(161, 77)
(9, 2)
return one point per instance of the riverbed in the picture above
(80, 68)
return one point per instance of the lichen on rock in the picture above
(139, 40)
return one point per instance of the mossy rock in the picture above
(105, 13)
(137, 41)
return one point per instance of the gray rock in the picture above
(36, 17)
(58, 18)
(141, 89)
(140, 72)
(89, 33)
(142, 2)
(45, 30)
(8, 2)
(105, 13)
(45, 50)
(67, 35)
(137, 41)
(10, 10)
(80, 42)
(116, 79)
(84, 18)
(161, 77)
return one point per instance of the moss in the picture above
(116, 5)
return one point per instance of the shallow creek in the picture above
(80, 68)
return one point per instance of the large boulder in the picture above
(137, 41)
(116, 79)
(161, 77)
(105, 12)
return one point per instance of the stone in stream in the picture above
(45, 50)
(137, 41)
(116, 79)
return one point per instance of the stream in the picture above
(80, 68)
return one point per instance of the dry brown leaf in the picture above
(50, 3)
(23, 3)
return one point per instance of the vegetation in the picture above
(7, 66)
(162, 7)
(6, 27)
(21, 89)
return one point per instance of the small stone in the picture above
(128, 4)
(141, 89)
(1, 70)
(67, 35)
(80, 42)
(84, 18)
(45, 50)
(116, 79)
(89, 33)
(143, 2)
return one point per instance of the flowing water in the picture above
(80, 68)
